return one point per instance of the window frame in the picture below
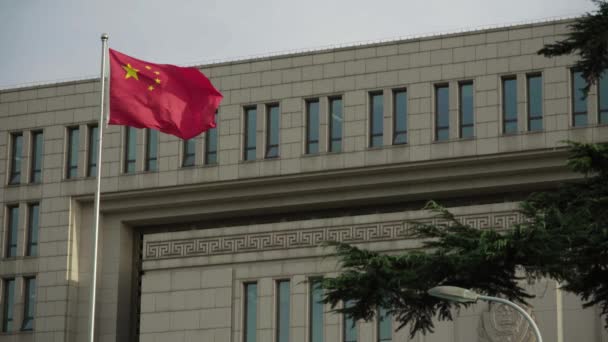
(379, 322)
(246, 310)
(92, 149)
(505, 121)
(208, 151)
(151, 161)
(461, 126)
(332, 123)
(312, 281)
(16, 158)
(12, 220)
(186, 155)
(437, 127)
(72, 163)
(130, 137)
(30, 230)
(29, 283)
(36, 172)
(268, 134)
(396, 132)
(529, 117)
(278, 310)
(248, 110)
(573, 91)
(8, 304)
(345, 321)
(371, 127)
(309, 141)
(603, 80)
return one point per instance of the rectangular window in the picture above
(385, 326)
(211, 145)
(32, 229)
(189, 152)
(579, 100)
(335, 124)
(602, 94)
(400, 116)
(16, 157)
(9, 303)
(36, 161)
(535, 102)
(316, 310)
(272, 131)
(73, 143)
(130, 149)
(12, 231)
(93, 151)
(283, 310)
(250, 136)
(376, 119)
(30, 304)
(151, 150)
(509, 105)
(350, 327)
(312, 126)
(442, 112)
(465, 110)
(251, 312)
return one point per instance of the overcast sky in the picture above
(52, 40)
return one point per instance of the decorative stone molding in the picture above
(501, 323)
(312, 237)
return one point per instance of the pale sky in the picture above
(55, 40)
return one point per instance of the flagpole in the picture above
(104, 50)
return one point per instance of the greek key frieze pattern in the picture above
(309, 237)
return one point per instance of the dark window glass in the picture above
(251, 311)
(350, 327)
(73, 143)
(312, 127)
(466, 110)
(603, 98)
(250, 129)
(283, 310)
(377, 117)
(37, 152)
(272, 131)
(189, 152)
(32, 234)
(579, 100)
(400, 117)
(385, 326)
(30, 304)
(151, 150)
(93, 151)
(442, 113)
(9, 303)
(16, 157)
(335, 124)
(535, 102)
(316, 311)
(13, 226)
(509, 105)
(211, 145)
(130, 149)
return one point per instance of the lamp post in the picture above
(460, 295)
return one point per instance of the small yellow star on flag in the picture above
(148, 67)
(131, 71)
(157, 81)
(150, 88)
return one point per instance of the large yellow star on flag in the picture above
(131, 72)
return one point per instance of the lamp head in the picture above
(454, 294)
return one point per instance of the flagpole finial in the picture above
(104, 36)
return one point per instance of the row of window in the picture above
(8, 304)
(12, 230)
(316, 315)
(35, 174)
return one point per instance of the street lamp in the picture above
(460, 295)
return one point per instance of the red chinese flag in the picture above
(171, 99)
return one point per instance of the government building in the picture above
(219, 238)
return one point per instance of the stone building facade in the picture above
(217, 239)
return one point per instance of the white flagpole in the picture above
(104, 50)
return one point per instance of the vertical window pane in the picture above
(37, 151)
(283, 310)
(385, 326)
(250, 129)
(377, 117)
(535, 102)
(400, 117)
(466, 110)
(316, 311)
(130, 149)
(93, 151)
(32, 234)
(442, 113)
(151, 150)
(189, 152)
(9, 302)
(13, 226)
(335, 124)
(350, 327)
(16, 157)
(579, 101)
(30, 304)
(603, 98)
(312, 127)
(211, 145)
(251, 311)
(509, 105)
(272, 131)
(73, 143)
